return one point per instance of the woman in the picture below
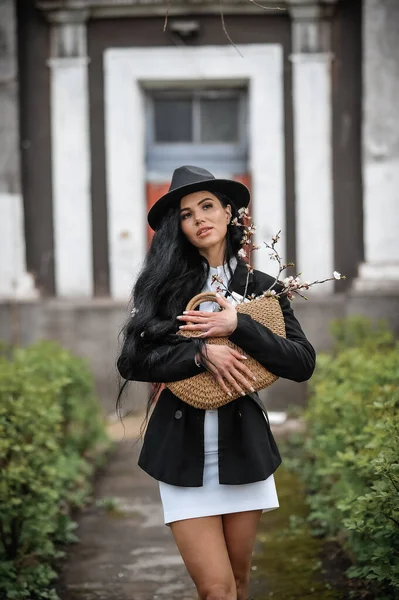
(215, 468)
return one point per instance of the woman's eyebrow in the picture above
(200, 202)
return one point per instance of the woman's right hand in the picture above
(228, 366)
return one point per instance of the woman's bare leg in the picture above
(240, 533)
(202, 545)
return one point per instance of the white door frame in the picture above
(127, 72)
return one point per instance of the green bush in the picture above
(51, 439)
(350, 456)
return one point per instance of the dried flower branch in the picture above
(266, 7)
(222, 18)
(167, 15)
(291, 285)
(225, 30)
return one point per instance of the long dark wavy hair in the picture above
(173, 272)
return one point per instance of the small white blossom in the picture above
(295, 283)
(242, 253)
(243, 211)
(337, 275)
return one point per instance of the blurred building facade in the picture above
(99, 104)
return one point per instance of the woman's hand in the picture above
(212, 324)
(228, 366)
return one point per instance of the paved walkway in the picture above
(126, 552)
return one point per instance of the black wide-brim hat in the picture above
(188, 179)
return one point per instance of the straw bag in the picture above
(203, 391)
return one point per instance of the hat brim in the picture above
(237, 192)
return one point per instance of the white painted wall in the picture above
(126, 73)
(381, 209)
(71, 177)
(380, 146)
(313, 167)
(15, 282)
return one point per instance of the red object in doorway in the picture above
(244, 178)
(154, 191)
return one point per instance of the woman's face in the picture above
(204, 219)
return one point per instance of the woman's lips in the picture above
(204, 232)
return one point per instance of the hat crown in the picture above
(187, 174)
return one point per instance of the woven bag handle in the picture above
(203, 297)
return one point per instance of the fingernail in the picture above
(254, 378)
(242, 356)
(243, 394)
(179, 317)
(181, 326)
(230, 394)
(217, 295)
(185, 312)
(252, 389)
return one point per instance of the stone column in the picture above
(312, 109)
(71, 153)
(15, 282)
(380, 271)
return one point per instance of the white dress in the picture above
(213, 498)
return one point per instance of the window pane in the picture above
(219, 120)
(173, 120)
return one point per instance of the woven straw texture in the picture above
(202, 391)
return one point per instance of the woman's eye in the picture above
(188, 214)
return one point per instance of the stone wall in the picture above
(90, 329)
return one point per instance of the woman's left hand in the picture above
(212, 324)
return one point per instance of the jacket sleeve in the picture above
(162, 364)
(292, 358)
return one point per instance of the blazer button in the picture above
(178, 414)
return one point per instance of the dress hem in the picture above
(171, 516)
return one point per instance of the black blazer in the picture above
(173, 448)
